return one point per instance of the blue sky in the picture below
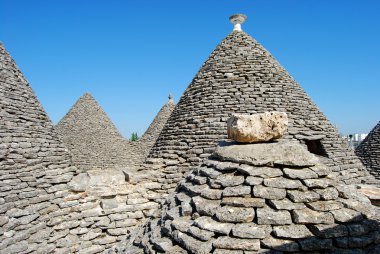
(130, 54)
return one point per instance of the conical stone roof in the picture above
(241, 76)
(262, 198)
(34, 166)
(92, 138)
(150, 136)
(45, 205)
(369, 151)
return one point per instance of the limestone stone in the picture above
(258, 127)
(206, 206)
(346, 215)
(208, 223)
(192, 244)
(251, 230)
(280, 244)
(329, 193)
(308, 216)
(292, 231)
(325, 205)
(302, 196)
(235, 214)
(236, 191)
(286, 204)
(304, 173)
(268, 192)
(225, 242)
(259, 171)
(283, 183)
(201, 234)
(267, 216)
(287, 154)
(329, 231)
(243, 202)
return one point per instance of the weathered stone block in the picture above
(235, 214)
(257, 127)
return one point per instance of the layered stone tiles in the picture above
(94, 141)
(241, 76)
(92, 138)
(243, 202)
(369, 151)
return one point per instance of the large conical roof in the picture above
(34, 165)
(241, 76)
(262, 202)
(369, 151)
(92, 138)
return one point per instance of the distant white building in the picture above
(353, 140)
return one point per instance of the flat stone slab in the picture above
(286, 154)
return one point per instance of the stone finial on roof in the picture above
(170, 98)
(237, 20)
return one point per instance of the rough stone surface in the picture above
(258, 127)
(95, 142)
(254, 218)
(286, 154)
(369, 151)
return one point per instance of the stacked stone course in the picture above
(369, 151)
(95, 142)
(243, 202)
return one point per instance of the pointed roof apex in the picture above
(170, 97)
(237, 20)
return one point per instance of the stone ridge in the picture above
(143, 146)
(369, 151)
(228, 207)
(92, 138)
(241, 77)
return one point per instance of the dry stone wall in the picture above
(285, 201)
(241, 77)
(369, 151)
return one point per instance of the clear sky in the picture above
(131, 54)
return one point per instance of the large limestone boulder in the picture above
(257, 128)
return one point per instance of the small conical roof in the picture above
(369, 151)
(91, 137)
(262, 198)
(241, 76)
(151, 134)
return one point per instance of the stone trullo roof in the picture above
(259, 198)
(143, 146)
(369, 151)
(92, 138)
(34, 165)
(241, 76)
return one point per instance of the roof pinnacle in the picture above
(237, 20)
(170, 97)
